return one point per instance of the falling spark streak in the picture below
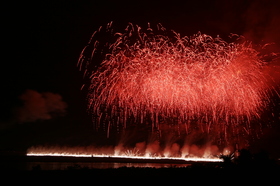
(146, 77)
(196, 159)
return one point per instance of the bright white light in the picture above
(195, 159)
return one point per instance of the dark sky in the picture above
(43, 41)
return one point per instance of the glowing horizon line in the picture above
(195, 159)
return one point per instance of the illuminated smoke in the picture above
(195, 153)
(196, 83)
(40, 106)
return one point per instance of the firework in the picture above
(158, 77)
(126, 154)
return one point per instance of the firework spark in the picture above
(127, 154)
(152, 78)
(195, 159)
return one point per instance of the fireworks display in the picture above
(195, 159)
(118, 153)
(157, 77)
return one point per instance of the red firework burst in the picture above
(154, 78)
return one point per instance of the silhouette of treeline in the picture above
(245, 159)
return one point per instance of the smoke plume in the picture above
(262, 21)
(262, 26)
(40, 106)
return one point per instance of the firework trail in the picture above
(197, 82)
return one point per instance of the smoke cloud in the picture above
(140, 149)
(262, 18)
(40, 106)
(262, 21)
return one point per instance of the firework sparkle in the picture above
(87, 155)
(195, 83)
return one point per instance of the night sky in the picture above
(43, 42)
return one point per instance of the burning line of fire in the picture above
(195, 159)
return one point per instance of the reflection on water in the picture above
(81, 165)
